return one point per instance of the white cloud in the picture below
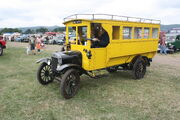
(19, 13)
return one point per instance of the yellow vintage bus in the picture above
(101, 41)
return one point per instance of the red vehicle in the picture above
(2, 45)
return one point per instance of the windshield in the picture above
(72, 34)
(170, 38)
(81, 36)
(175, 31)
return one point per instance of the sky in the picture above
(27, 13)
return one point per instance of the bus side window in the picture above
(127, 32)
(146, 33)
(115, 32)
(155, 33)
(137, 32)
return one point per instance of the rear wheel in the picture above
(112, 69)
(70, 83)
(45, 74)
(1, 50)
(139, 68)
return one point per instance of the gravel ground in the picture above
(170, 59)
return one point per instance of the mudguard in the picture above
(67, 66)
(43, 60)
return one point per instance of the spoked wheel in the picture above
(112, 69)
(1, 50)
(70, 83)
(139, 68)
(45, 74)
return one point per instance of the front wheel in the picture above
(139, 68)
(1, 50)
(70, 83)
(45, 74)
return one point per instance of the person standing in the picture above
(163, 44)
(32, 44)
(38, 44)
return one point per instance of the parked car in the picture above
(2, 45)
(57, 40)
(173, 42)
(22, 38)
(26, 38)
(51, 41)
(60, 41)
(18, 39)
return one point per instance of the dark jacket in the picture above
(104, 40)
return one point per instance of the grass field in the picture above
(115, 97)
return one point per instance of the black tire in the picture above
(45, 74)
(1, 50)
(112, 69)
(175, 49)
(139, 68)
(70, 83)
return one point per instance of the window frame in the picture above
(156, 34)
(119, 32)
(141, 36)
(130, 34)
(149, 34)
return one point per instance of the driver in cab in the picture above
(102, 39)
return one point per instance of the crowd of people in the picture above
(35, 45)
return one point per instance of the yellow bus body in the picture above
(119, 51)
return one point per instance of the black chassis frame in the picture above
(64, 67)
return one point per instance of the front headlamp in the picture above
(60, 61)
(58, 67)
(48, 62)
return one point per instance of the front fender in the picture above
(43, 60)
(67, 66)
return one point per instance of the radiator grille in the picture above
(54, 63)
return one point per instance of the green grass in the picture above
(114, 97)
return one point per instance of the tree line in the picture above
(31, 31)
